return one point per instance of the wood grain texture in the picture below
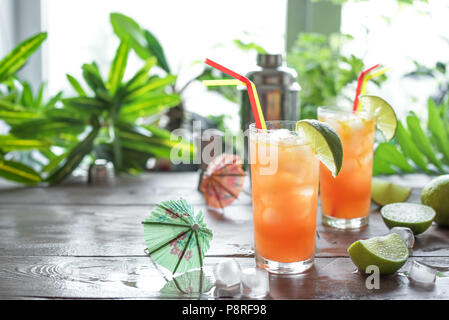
(79, 241)
(137, 277)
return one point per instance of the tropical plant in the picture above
(100, 122)
(417, 147)
(145, 44)
(12, 94)
(323, 70)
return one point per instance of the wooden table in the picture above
(80, 241)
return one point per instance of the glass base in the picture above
(345, 224)
(283, 267)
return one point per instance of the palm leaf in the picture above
(437, 129)
(75, 157)
(143, 42)
(10, 143)
(87, 104)
(76, 85)
(151, 85)
(93, 78)
(152, 104)
(48, 128)
(118, 66)
(18, 172)
(409, 148)
(421, 140)
(123, 27)
(155, 48)
(141, 76)
(17, 58)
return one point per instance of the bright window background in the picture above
(189, 31)
(80, 32)
(399, 34)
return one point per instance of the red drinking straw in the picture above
(248, 84)
(359, 85)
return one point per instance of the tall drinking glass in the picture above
(345, 200)
(284, 177)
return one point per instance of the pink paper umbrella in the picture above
(223, 181)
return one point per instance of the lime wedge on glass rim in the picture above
(386, 192)
(417, 217)
(386, 120)
(388, 253)
(324, 141)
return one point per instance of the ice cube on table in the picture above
(227, 273)
(406, 234)
(227, 292)
(422, 274)
(254, 283)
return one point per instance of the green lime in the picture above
(436, 194)
(388, 253)
(324, 140)
(386, 120)
(415, 216)
(385, 192)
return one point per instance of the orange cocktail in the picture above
(345, 200)
(284, 176)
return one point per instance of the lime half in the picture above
(386, 120)
(388, 253)
(385, 192)
(417, 217)
(324, 140)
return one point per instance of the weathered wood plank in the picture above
(117, 231)
(147, 189)
(67, 277)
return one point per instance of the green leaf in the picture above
(152, 104)
(151, 85)
(54, 162)
(437, 129)
(39, 97)
(14, 114)
(142, 41)
(52, 102)
(409, 148)
(76, 85)
(159, 145)
(87, 104)
(141, 76)
(10, 143)
(123, 27)
(48, 128)
(17, 58)
(421, 140)
(118, 66)
(18, 172)
(75, 157)
(389, 154)
(27, 95)
(93, 77)
(381, 166)
(155, 48)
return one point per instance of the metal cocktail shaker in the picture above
(277, 89)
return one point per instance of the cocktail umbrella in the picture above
(192, 282)
(176, 236)
(223, 180)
